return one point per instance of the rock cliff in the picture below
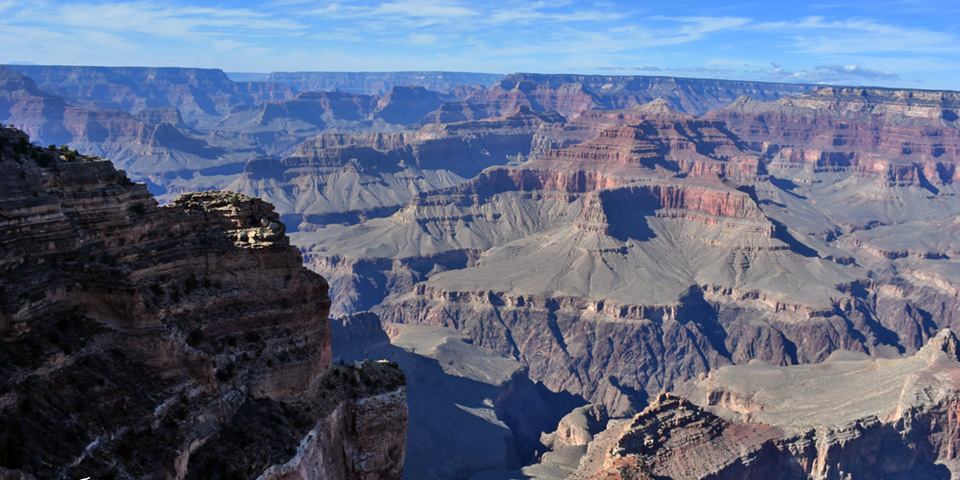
(850, 417)
(141, 341)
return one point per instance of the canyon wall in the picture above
(850, 417)
(165, 341)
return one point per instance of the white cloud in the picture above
(425, 8)
(159, 19)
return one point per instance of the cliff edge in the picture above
(185, 341)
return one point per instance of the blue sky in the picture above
(910, 43)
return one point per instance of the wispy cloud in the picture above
(831, 73)
(422, 39)
(820, 36)
(160, 19)
(425, 8)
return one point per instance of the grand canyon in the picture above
(309, 275)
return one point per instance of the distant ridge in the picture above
(691, 95)
(246, 76)
(378, 83)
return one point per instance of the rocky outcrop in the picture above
(869, 418)
(146, 341)
(577, 427)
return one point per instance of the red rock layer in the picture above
(895, 137)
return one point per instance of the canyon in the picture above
(580, 269)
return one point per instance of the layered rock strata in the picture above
(342, 178)
(141, 341)
(668, 233)
(585, 243)
(571, 94)
(200, 94)
(850, 417)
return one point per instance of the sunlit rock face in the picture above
(849, 417)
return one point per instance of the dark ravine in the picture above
(170, 342)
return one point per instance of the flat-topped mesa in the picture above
(652, 148)
(710, 203)
(316, 108)
(407, 105)
(419, 147)
(145, 331)
(341, 175)
(399, 106)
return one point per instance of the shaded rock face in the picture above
(905, 428)
(197, 93)
(137, 338)
(454, 386)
